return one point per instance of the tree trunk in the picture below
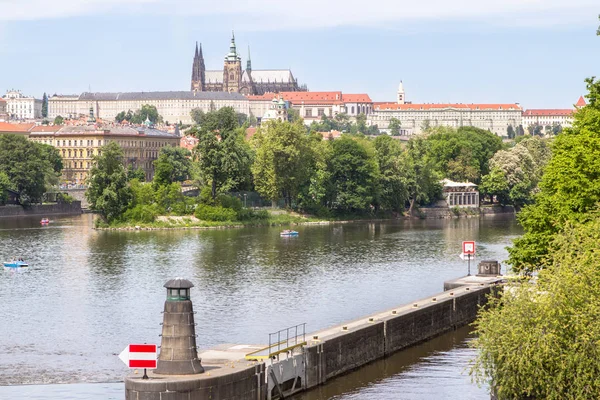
(213, 191)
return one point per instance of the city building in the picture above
(21, 107)
(66, 106)
(3, 115)
(233, 79)
(277, 111)
(172, 106)
(414, 118)
(312, 106)
(550, 117)
(460, 194)
(15, 129)
(78, 144)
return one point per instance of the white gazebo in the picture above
(460, 194)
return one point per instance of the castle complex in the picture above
(233, 79)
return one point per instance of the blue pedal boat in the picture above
(16, 264)
(288, 233)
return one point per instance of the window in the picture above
(320, 112)
(308, 112)
(352, 110)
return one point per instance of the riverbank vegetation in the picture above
(306, 172)
(540, 339)
(27, 168)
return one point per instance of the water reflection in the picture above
(90, 293)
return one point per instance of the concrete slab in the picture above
(472, 280)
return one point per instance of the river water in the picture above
(87, 294)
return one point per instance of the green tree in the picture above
(172, 165)
(108, 192)
(354, 174)
(26, 166)
(569, 189)
(520, 130)
(45, 106)
(423, 180)
(539, 340)
(361, 123)
(393, 179)
(4, 186)
(510, 132)
(293, 115)
(394, 127)
(556, 128)
(224, 157)
(283, 160)
(137, 173)
(425, 126)
(54, 163)
(496, 184)
(124, 116)
(59, 120)
(197, 115)
(146, 112)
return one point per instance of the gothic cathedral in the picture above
(233, 79)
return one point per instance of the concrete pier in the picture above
(328, 353)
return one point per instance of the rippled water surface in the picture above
(88, 294)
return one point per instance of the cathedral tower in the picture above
(198, 71)
(232, 70)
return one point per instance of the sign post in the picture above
(139, 356)
(468, 251)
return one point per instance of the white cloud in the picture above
(303, 14)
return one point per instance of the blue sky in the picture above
(535, 52)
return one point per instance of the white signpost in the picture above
(468, 252)
(139, 356)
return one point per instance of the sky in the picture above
(533, 52)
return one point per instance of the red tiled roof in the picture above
(7, 127)
(45, 128)
(265, 96)
(296, 97)
(332, 134)
(2, 100)
(549, 112)
(581, 102)
(356, 98)
(424, 107)
(188, 142)
(250, 131)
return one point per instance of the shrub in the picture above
(247, 214)
(214, 213)
(64, 198)
(142, 213)
(227, 201)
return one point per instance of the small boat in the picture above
(45, 221)
(16, 264)
(288, 233)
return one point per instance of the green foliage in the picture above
(45, 105)
(170, 198)
(569, 189)
(224, 156)
(28, 166)
(144, 213)
(462, 154)
(4, 186)
(423, 180)
(206, 212)
(65, 198)
(510, 132)
(496, 184)
(394, 127)
(354, 175)
(393, 178)
(139, 116)
(173, 165)
(231, 202)
(197, 116)
(284, 157)
(59, 120)
(540, 339)
(137, 173)
(141, 193)
(108, 191)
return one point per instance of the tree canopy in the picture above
(29, 166)
(108, 191)
(173, 165)
(569, 188)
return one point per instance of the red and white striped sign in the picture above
(468, 247)
(139, 356)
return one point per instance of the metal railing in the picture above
(281, 341)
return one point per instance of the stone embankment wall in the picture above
(79, 195)
(368, 342)
(41, 210)
(444, 212)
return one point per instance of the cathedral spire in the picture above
(196, 55)
(249, 62)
